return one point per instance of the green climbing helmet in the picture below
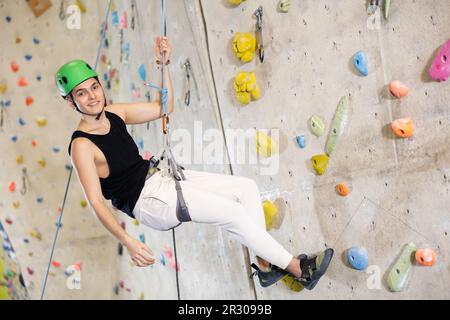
(72, 74)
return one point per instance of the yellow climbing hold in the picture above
(36, 234)
(136, 222)
(246, 87)
(320, 163)
(292, 283)
(244, 46)
(19, 159)
(42, 163)
(116, 86)
(3, 87)
(83, 203)
(270, 213)
(236, 2)
(16, 204)
(265, 146)
(41, 122)
(81, 6)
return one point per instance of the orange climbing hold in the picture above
(29, 101)
(398, 89)
(342, 189)
(426, 257)
(403, 128)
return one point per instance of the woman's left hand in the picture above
(162, 44)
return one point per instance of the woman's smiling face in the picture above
(89, 96)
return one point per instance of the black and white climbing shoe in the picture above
(314, 267)
(268, 278)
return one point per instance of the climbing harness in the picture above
(175, 170)
(259, 28)
(59, 224)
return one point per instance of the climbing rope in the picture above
(166, 129)
(59, 224)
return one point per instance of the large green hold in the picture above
(399, 274)
(316, 125)
(338, 125)
(387, 8)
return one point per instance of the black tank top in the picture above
(127, 169)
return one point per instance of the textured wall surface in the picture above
(399, 187)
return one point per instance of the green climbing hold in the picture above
(284, 5)
(320, 163)
(387, 8)
(338, 125)
(316, 125)
(398, 276)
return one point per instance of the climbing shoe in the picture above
(268, 278)
(314, 267)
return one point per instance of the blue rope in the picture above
(163, 90)
(59, 224)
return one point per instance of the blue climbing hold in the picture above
(26, 240)
(358, 258)
(360, 62)
(36, 40)
(7, 246)
(142, 237)
(38, 78)
(14, 138)
(22, 122)
(300, 141)
(6, 103)
(8, 19)
(40, 199)
(115, 18)
(28, 57)
(142, 73)
(55, 149)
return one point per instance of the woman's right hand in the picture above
(141, 255)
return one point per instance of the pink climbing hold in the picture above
(22, 82)
(12, 186)
(440, 69)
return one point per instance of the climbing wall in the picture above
(399, 188)
(36, 129)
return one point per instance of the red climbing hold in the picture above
(14, 66)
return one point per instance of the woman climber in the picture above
(107, 163)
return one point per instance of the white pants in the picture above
(231, 202)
